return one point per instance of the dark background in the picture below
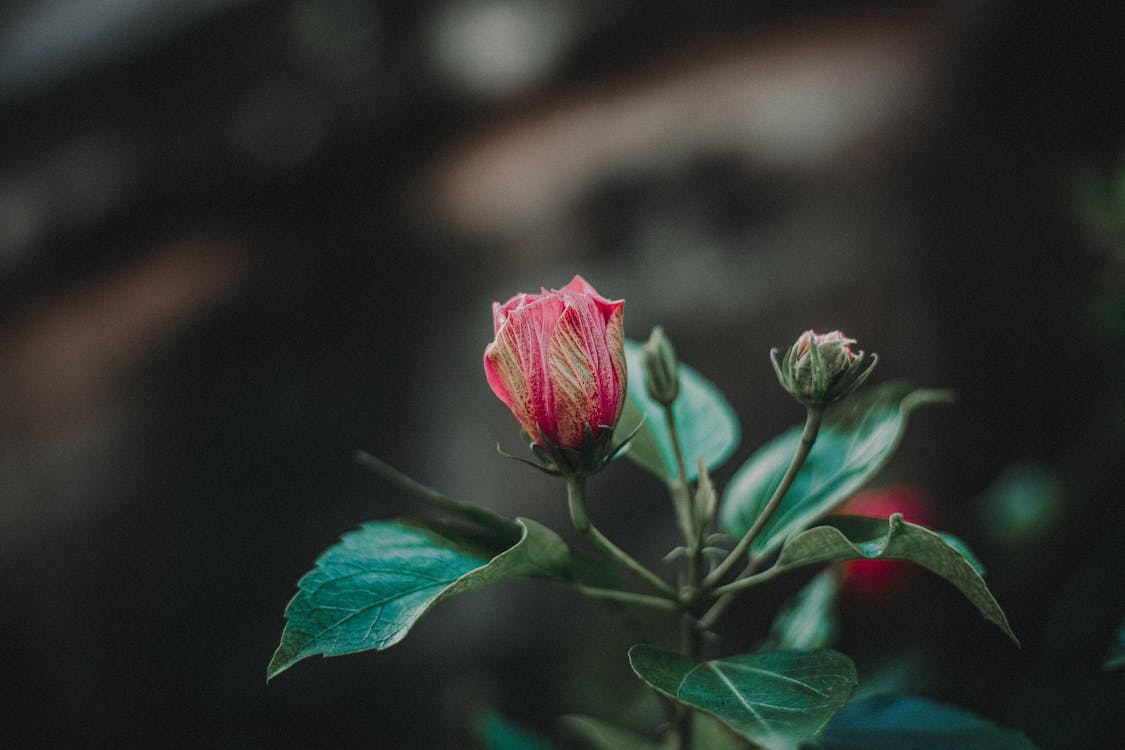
(239, 240)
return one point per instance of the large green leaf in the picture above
(708, 733)
(808, 621)
(855, 440)
(908, 723)
(775, 698)
(705, 422)
(369, 589)
(861, 537)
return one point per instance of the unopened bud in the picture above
(662, 368)
(820, 369)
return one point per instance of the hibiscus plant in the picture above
(584, 396)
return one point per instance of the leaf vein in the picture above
(749, 707)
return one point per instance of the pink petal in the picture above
(517, 365)
(573, 379)
(615, 343)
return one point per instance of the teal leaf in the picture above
(855, 440)
(809, 620)
(368, 590)
(497, 733)
(605, 736)
(908, 723)
(709, 733)
(705, 422)
(1115, 659)
(775, 698)
(860, 537)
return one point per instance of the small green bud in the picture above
(662, 368)
(820, 369)
(705, 502)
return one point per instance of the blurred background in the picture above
(239, 240)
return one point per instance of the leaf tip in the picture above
(924, 396)
(274, 669)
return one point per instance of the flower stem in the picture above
(808, 437)
(692, 528)
(682, 501)
(627, 597)
(727, 592)
(576, 497)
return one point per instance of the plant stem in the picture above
(724, 600)
(689, 646)
(808, 437)
(429, 495)
(627, 597)
(576, 498)
(693, 531)
(685, 511)
(745, 582)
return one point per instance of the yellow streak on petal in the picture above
(572, 378)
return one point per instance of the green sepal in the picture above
(661, 368)
(594, 454)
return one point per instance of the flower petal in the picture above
(558, 362)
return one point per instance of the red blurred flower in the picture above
(867, 582)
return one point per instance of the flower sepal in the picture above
(593, 456)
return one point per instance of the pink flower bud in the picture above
(821, 368)
(558, 362)
(834, 344)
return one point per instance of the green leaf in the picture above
(1115, 659)
(859, 537)
(497, 733)
(605, 736)
(368, 590)
(708, 733)
(908, 723)
(705, 422)
(808, 621)
(855, 440)
(775, 698)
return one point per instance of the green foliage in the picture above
(808, 621)
(496, 733)
(708, 733)
(908, 723)
(860, 537)
(1115, 659)
(705, 422)
(605, 736)
(775, 699)
(368, 590)
(855, 440)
